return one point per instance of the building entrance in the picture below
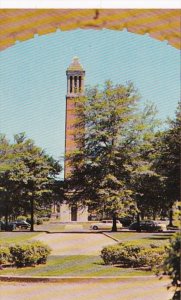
(73, 213)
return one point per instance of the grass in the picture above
(142, 238)
(57, 226)
(16, 237)
(76, 266)
(51, 227)
(81, 265)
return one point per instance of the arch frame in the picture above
(24, 24)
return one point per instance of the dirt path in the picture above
(75, 243)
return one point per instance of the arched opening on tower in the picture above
(79, 83)
(71, 89)
(75, 84)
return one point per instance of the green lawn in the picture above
(50, 227)
(16, 237)
(82, 265)
(141, 238)
(56, 226)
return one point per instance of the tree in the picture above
(145, 181)
(26, 174)
(168, 163)
(172, 264)
(113, 141)
(8, 188)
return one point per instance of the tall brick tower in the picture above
(75, 88)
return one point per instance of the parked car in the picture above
(10, 226)
(22, 224)
(148, 225)
(126, 221)
(105, 224)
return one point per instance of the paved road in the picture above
(142, 289)
(75, 243)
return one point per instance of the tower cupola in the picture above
(75, 79)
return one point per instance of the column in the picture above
(82, 90)
(80, 84)
(75, 82)
(68, 85)
(73, 89)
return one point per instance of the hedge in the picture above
(131, 255)
(172, 264)
(29, 254)
(24, 254)
(5, 255)
(39, 222)
(43, 252)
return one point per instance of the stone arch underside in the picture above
(23, 24)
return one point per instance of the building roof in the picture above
(75, 65)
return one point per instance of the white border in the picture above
(130, 4)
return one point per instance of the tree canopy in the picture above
(114, 148)
(168, 162)
(26, 175)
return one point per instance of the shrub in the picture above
(172, 263)
(125, 254)
(132, 255)
(43, 252)
(24, 255)
(39, 222)
(21, 218)
(111, 254)
(5, 255)
(29, 220)
(29, 254)
(46, 219)
(151, 258)
(44, 213)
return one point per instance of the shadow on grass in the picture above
(99, 263)
(159, 237)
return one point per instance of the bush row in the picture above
(38, 221)
(26, 254)
(131, 255)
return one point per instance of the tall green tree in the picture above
(8, 188)
(171, 264)
(26, 174)
(113, 146)
(168, 163)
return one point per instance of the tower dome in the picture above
(75, 65)
(75, 78)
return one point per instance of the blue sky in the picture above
(33, 79)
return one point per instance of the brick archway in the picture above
(23, 24)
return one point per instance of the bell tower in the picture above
(75, 79)
(75, 88)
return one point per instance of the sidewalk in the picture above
(75, 243)
(117, 289)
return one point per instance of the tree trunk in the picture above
(170, 218)
(142, 215)
(114, 225)
(154, 215)
(32, 213)
(6, 217)
(138, 221)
